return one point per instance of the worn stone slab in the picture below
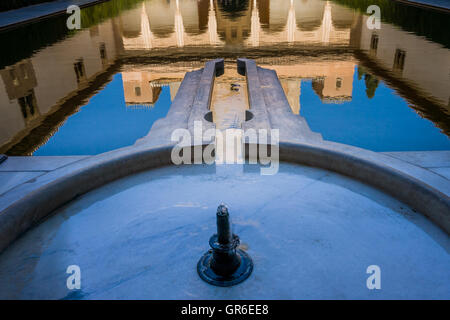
(10, 180)
(380, 159)
(424, 159)
(178, 115)
(256, 100)
(443, 171)
(203, 95)
(38, 163)
(292, 127)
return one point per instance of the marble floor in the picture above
(16, 171)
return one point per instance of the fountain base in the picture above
(240, 274)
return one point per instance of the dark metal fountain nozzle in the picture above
(223, 225)
(224, 265)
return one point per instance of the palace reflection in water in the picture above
(153, 44)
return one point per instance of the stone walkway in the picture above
(32, 13)
(436, 161)
(15, 171)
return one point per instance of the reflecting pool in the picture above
(100, 88)
(376, 118)
(106, 123)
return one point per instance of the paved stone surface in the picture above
(16, 171)
(443, 171)
(33, 12)
(178, 115)
(424, 159)
(41, 163)
(202, 99)
(9, 180)
(291, 127)
(256, 100)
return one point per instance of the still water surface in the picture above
(102, 87)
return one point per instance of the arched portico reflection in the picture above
(219, 22)
(161, 16)
(342, 18)
(303, 22)
(131, 23)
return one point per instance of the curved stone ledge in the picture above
(395, 181)
(33, 202)
(26, 205)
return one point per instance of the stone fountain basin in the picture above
(311, 233)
